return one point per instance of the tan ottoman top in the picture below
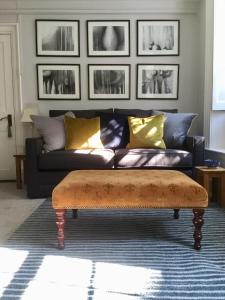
(128, 189)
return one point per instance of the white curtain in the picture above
(219, 56)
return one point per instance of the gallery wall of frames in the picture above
(108, 38)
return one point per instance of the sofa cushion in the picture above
(139, 113)
(82, 133)
(146, 158)
(77, 159)
(85, 113)
(112, 130)
(146, 132)
(176, 128)
(125, 113)
(52, 130)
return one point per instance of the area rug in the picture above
(115, 255)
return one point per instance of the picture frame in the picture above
(109, 82)
(158, 37)
(158, 81)
(58, 82)
(57, 37)
(108, 38)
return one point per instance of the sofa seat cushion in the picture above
(146, 158)
(77, 159)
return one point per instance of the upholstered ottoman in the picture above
(129, 189)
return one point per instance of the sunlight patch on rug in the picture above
(10, 262)
(60, 276)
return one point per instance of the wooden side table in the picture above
(19, 158)
(205, 175)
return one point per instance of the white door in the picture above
(7, 143)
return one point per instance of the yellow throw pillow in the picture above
(82, 133)
(146, 132)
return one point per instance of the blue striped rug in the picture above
(115, 255)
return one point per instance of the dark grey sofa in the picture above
(45, 170)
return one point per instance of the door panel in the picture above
(7, 144)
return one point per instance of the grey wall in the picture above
(184, 10)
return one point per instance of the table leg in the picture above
(206, 183)
(18, 174)
(222, 190)
(75, 213)
(199, 177)
(176, 214)
(60, 222)
(24, 175)
(198, 222)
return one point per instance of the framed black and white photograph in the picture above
(108, 38)
(157, 81)
(109, 82)
(57, 38)
(158, 37)
(58, 82)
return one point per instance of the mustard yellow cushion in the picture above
(146, 132)
(82, 133)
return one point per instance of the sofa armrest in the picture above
(33, 148)
(196, 145)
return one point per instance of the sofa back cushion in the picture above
(112, 131)
(113, 124)
(85, 113)
(124, 114)
(146, 132)
(176, 128)
(82, 133)
(139, 113)
(52, 130)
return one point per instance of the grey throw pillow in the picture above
(176, 128)
(52, 130)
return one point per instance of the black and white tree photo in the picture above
(57, 38)
(157, 81)
(108, 38)
(158, 38)
(109, 81)
(58, 82)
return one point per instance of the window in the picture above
(219, 56)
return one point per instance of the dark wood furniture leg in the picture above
(198, 222)
(75, 213)
(18, 173)
(19, 158)
(60, 222)
(176, 214)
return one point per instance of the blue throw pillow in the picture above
(112, 131)
(176, 128)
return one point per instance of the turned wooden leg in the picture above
(198, 222)
(176, 214)
(75, 213)
(60, 222)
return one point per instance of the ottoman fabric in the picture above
(128, 189)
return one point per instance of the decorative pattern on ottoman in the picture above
(129, 189)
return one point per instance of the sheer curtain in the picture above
(219, 56)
